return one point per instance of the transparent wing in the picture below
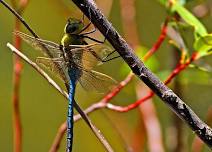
(96, 81)
(55, 65)
(90, 56)
(100, 51)
(83, 58)
(48, 48)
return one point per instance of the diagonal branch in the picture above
(89, 8)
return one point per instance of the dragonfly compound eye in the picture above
(70, 28)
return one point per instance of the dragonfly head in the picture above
(73, 26)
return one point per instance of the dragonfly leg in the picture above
(105, 59)
(84, 35)
(85, 27)
(89, 32)
(93, 39)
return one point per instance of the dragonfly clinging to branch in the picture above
(73, 60)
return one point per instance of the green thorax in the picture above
(69, 39)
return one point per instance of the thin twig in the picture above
(179, 68)
(42, 73)
(128, 14)
(160, 39)
(17, 69)
(38, 69)
(104, 101)
(19, 17)
(60, 133)
(89, 8)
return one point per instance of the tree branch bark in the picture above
(89, 8)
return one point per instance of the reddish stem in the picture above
(61, 131)
(117, 89)
(17, 129)
(175, 72)
(180, 67)
(160, 40)
(128, 14)
(155, 47)
(151, 122)
(131, 106)
(17, 68)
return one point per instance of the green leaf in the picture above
(190, 19)
(164, 2)
(204, 45)
(201, 68)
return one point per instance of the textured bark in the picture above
(89, 8)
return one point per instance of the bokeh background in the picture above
(43, 109)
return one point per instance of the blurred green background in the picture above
(43, 109)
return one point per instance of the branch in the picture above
(89, 8)
(197, 145)
(56, 143)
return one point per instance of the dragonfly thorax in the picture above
(73, 67)
(69, 39)
(70, 56)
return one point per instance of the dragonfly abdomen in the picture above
(72, 86)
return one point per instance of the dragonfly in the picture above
(73, 61)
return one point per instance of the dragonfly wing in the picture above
(83, 58)
(96, 81)
(100, 51)
(59, 69)
(90, 56)
(49, 48)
